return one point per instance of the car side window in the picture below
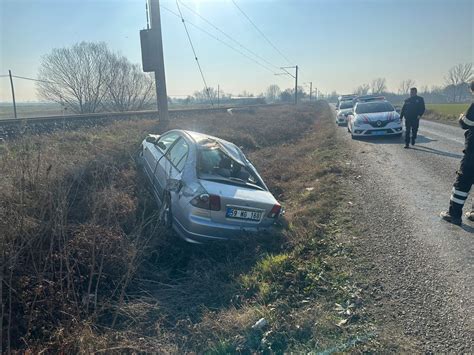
(168, 140)
(178, 154)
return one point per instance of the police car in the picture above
(344, 98)
(373, 116)
(345, 108)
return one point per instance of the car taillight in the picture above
(214, 203)
(207, 202)
(275, 212)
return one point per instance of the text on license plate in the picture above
(378, 133)
(243, 214)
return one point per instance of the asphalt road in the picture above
(421, 269)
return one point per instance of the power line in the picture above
(219, 40)
(259, 31)
(32, 79)
(227, 35)
(194, 51)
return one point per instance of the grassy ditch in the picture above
(85, 266)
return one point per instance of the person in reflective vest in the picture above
(465, 174)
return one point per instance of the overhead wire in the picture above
(259, 31)
(194, 52)
(218, 39)
(32, 79)
(227, 35)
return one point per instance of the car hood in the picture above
(379, 116)
(345, 111)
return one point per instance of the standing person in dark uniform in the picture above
(413, 109)
(465, 177)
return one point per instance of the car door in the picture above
(176, 159)
(157, 162)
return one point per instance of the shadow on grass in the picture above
(187, 279)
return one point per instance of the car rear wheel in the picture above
(165, 215)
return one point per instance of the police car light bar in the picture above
(369, 98)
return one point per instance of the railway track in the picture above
(14, 127)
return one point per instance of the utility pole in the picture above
(310, 90)
(286, 72)
(218, 98)
(13, 92)
(160, 80)
(296, 86)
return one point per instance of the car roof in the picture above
(198, 137)
(371, 101)
(368, 98)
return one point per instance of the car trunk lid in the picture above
(240, 205)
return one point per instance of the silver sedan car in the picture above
(205, 186)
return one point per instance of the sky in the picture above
(337, 44)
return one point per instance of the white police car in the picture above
(345, 108)
(375, 117)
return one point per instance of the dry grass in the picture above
(86, 268)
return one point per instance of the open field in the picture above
(32, 109)
(445, 112)
(448, 109)
(87, 267)
(26, 109)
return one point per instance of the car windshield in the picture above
(373, 107)
(346, 104)
(214, 163)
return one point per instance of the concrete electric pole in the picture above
(13, 92)
(286, 72)
(152, 58)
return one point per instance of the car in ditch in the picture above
(205, 187)
(374, 118)
(345, 108)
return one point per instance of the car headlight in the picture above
(358, 122)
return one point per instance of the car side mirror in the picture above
(151, 139)
(161, 145)
(398, 110)
(174, 185)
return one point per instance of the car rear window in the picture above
(373, 107)
(346, 104)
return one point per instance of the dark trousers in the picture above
(411, 128)
(462, 186)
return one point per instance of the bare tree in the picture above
(208, 96)
(405, 86)
(273, 92)
(458, 75)
(362, 89)
(76, 77)
(128, 88)
(378, 85)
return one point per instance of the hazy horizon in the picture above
(338, 45)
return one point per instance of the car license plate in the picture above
(378, 133)
(243, 214)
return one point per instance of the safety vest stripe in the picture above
(460, 193)
(467, 121)
(458, 201)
